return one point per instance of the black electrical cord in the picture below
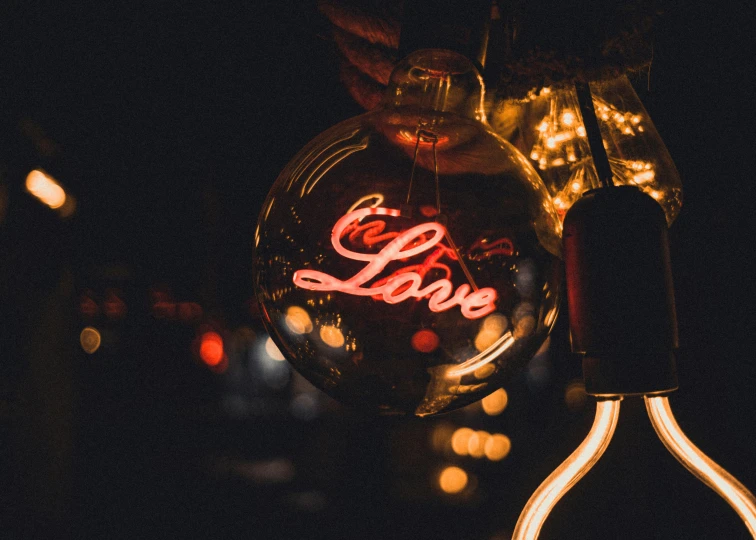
(593, 132)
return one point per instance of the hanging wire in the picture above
(698, 463)
(435, 175)
(414, 164)
(427, 136)
(593, 133)
(569, 472)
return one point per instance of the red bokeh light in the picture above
(114, 307)
(428, 210)
(211, 349)
(87, 306)
(425, 341)
(189, 311)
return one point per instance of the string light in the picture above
(561, 143)
(552, 134)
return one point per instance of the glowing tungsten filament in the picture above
(699, 464)
(590, 450)
(557, 136)
(569, 472)
(624, 122)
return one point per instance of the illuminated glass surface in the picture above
(548, 128)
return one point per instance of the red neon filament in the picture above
(502, 246)
(403, 284)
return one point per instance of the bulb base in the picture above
(620, 292)
(650, 373)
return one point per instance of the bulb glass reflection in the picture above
(548, 128)
(408, 258)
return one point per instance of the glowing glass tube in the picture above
(569, 472)
(698, 463)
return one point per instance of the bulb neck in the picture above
(437, 81)
(455, 25)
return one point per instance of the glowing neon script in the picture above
(400, 286)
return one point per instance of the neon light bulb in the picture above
(404, 284)
(399, 232)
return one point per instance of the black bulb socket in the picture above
(620, 292)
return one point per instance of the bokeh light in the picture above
(497, 447)
(460, 440)
(113, 306)
(491, 329)
(494, 404)
(45, 188)
(211, 348)
(90, 339)
(476, 444)
(574, 395)
(273, 351)
(331, 336)
(298, 320)
(452, 480)
(425, 341)
(441, 436)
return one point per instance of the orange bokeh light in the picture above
(460, 440)
(90, 340)
(452, 480)
(495, 403)
(332, 336)
(189, 311)
(45, 188)
(497, 447)
(211, 348)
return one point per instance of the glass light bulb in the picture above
(407, 260)
(549, 129)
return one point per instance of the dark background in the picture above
(169, 122)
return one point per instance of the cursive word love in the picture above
(405, 283)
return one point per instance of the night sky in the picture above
(169, 122)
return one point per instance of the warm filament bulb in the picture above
(549, 129)
(569, 472)
(590, 450)
(699, 464)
